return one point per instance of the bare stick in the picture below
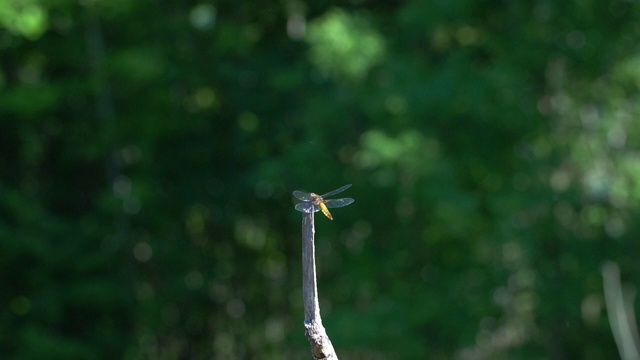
(321, 347)
(619, 302)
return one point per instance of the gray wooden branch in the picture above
(321, 347)
(619, 302)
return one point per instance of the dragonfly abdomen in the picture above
(325, 210)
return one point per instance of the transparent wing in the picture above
(307, 207)
(336, 191)
(336, 203)
(302, 195)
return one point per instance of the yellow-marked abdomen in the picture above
(325, 211)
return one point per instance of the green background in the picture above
(149, 150)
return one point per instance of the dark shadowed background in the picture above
(148, 151)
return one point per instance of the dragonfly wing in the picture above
(336, 203)
(302, 195)
(307, 207)
(336, 191)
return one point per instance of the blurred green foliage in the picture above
(149, 151)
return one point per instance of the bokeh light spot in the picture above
(248, 122)
(236, 308)
(203, 16)
(142, 252)
(343, 45)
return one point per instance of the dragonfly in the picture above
(313, 202)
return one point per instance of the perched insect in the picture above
(314, 202)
